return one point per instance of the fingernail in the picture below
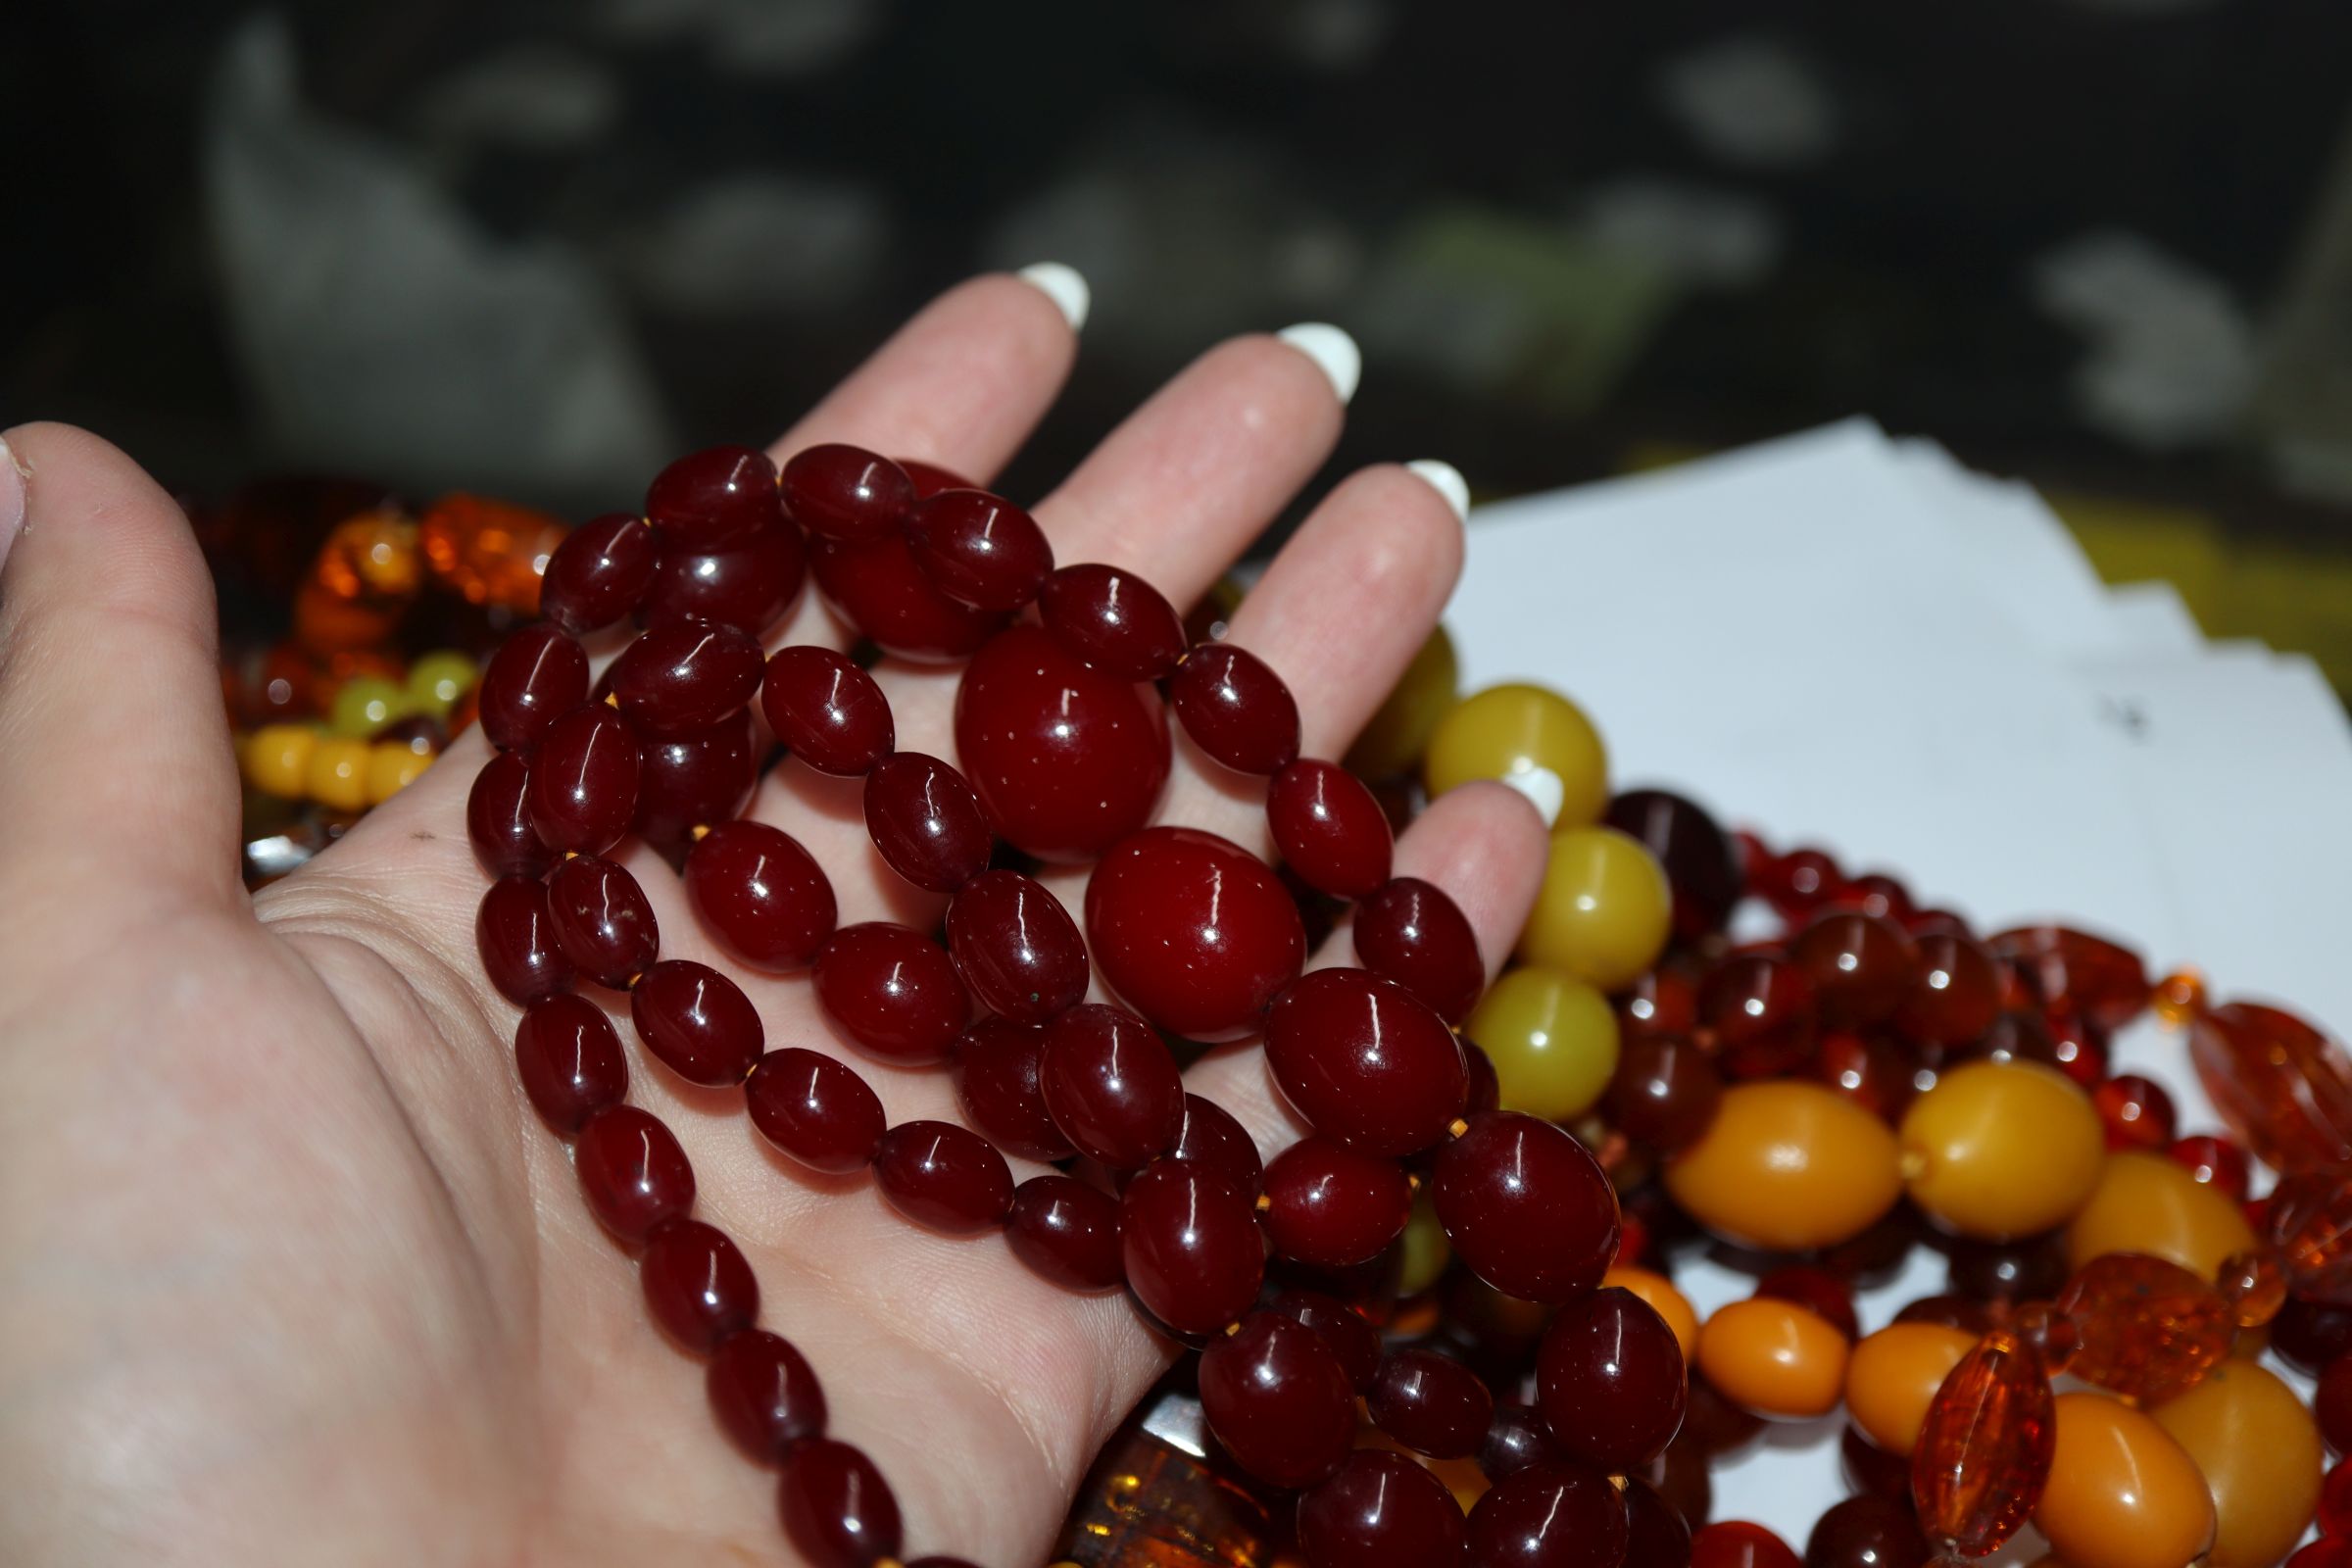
(13, 474)
(1334, 351)
(1447, 480)
(1063, 286)
(1542, 787)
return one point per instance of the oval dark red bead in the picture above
(1365, 1062)
(1526, 1208)
(998, 1070)
(1343, 1330)
(845, 492)
(1430, 1404)
(747, 586)
(893, 991)
(1611, 1380)
(603, 924)
(1236, 709)
(598, 574)
(816, 1109)
(570, 1059)
(583, 793)
(536, 675)
(715, 498)
(697, 1283)
(980, 549)
(1068, 1232)
(696, 781)
(1331, 1206)
(698, 1021)
(515, 936)
(1016, 947)
(838, 1511)
(762, 894)
(1210, 1137)
(1112, 622)
(1550, 1515)
(1193, 931)
(830, 713)
(1381, 1510)
(498, 821)
(877, 587)
(682, 679)
(926, 821)
(635, 1175)
(1329, 828)
(1278, 1400)
(1190, 1240)
(764, 1394)
(944, 1176)
(1110, 1086)
(1413, 933)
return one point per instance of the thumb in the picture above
(117, 778)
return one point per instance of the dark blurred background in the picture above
(533, 247)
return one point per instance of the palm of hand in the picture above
(303, 1278)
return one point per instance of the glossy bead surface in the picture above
(1555, 1515)
(698, 1021)
(1774, 1357)
(816, 1109)
(568, 1056)
(1527, 1207)
(1189, 1240)
(926, 821)
(1655, 1535)
(1604, 910)
(1109, 1084)
(1278, 1400)
(2216, 1161)
(1193, 931)
(1892, 1376)
(838, 1511)
(2031, 1268)
(878, 589)
(1210, 1137)
(515, 936)
(2001, 1150)
(1872, 1070)
(697, 1283)
(1701, 867)
(1516, 729)
(603, 924)
(1413, 933)
(2121, 1493)
(2309, 1221)
(1331, 1206)
(761, 894)
(999, 1081)
(1984, 1451)
(1066, 1232)
(1379, 1510)
(498, 821)
(2281, 1088)
(2148, 1329)
(764, 1394)
(1787, 1165)
(1430, 1402)
(698, 781)
(980, 549)
(2076, 971)
(712, 499)
(1329, 829)
(634, 1174)
(1761, 1012)
(583, 793)
(944, 1176)
(1552, 1038)
(1343, 1330)
(747, 586)
(830, 713)
(2309, 1335)
(678, 680)
(1016, 947)
(2256, 1446)
(2146, 1204)
(845, 492)
(1658, 1293)
(1824, 1293)
(1112, 620)
(536, 675)
(2136, 1113)
(1664, 1093)
(1863, 967)
(1955, 992)
(1611, 1380)
(1067, 760)
(893, 991)
(1236, 709)
(598, 573)
(1367, 1063)
(1866, 1533)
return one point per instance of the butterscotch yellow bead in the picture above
(391, 768)
(2121, 1494)
(2259, 1451)
(1999, 1150)
(277, 760)
(1659, 1293)
(1774, 1357)
(1399, 733)
(1518, 730)
(1425, 1251)
(1787, 1165)
(2148, 1204)
(1604, 909)
(1892, 1377)
(1552, 1038)
(337, 777)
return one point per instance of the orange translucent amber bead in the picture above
(372, 555)
(2180, 997)
(2283, 1089)
(2310, 1221)
(2078, 972)
(1984, 1452)
(2254, 1287)
(2147, 1329)
(489, 552)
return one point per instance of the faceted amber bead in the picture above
(2149, 1329)
(2259, 1451)
(1985, 1447)
(2283, 1089)
(2310, 1223)
(489, 552)
(2071, 970)
(2121, 1493)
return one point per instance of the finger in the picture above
(1484, 845)
(116, 740)
(1182, 486)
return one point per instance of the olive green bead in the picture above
(1552, 1038)
(1604, 910)
(1519, 734)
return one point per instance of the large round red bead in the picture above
(1278, 1399)
(1190, 1239)
(1365, 1062)
(1527, 1207)
(1611, 1379)
(1193, 931)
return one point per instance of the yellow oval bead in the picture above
(391, 768)
(1787, 1165)
(1425, 1251)
(1892, 1377)
(1397, 734)
(2148, 1204)
(1658, 1291)
(1774, 1357)
(338, 774)
(1604, 909)
(1999, 1150)
(1552, 1038)
(277, 760)
(1518, 730)
(2260, 1453)
(2122, 1493)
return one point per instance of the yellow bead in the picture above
(2259, 1451)
(439, 678)
(2148, 1204)
(277, 760)
(1425, 1251)
(1787, 1165)
(2122, 1493)
(1894, 1375)
(1399, 732)
(1658, 1291)
(1999, 1150)
(1774, 1357)
(365, 704)
(392, 768)
(338, 774)
(1518, 730)
(1552, 1038)
(1604, 909)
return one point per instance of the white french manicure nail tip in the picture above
(1063, 286)
(1447, 480)
(1542, 787)
(1334, 351)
